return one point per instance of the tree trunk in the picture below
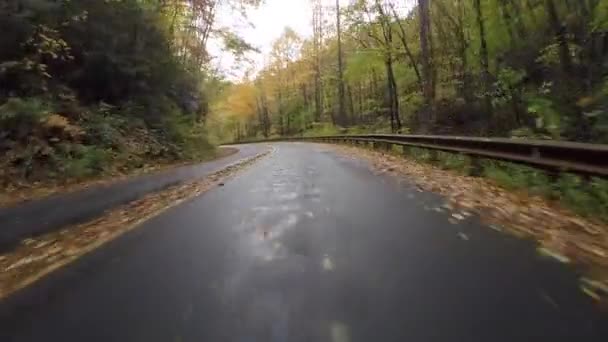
(465, 74)
(427, 72)
(560, 35)
(266, 124)
(304, 91)
(408, 51)
(393, 96)
(374, 84)
(484, 62)
(281, 123)
(351, 105)
(360, 97)
(318, 37)
(519, 16)
(318, 97)
(506, 16)
(341, 103)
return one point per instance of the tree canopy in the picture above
(534, 68)
(88, 84)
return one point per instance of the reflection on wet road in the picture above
(308, 246)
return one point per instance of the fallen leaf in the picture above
(34, 258)
(458, 217)
(589, 292)
(553, 254)
(463, 236)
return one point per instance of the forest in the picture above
(94, 87)
(506, 68)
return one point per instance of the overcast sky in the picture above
(268, 22)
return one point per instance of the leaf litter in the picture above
(36, 257)
(20, 192)
(561, 234)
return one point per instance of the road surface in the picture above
(53, 212)
(307, 246)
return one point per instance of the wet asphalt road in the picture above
(307, 246)
(54, 212)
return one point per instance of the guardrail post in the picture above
(476, 167)
(433, 156)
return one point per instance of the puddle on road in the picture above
(327, 263)
(339, 332)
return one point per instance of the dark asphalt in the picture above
(53, 212)
(307, 246)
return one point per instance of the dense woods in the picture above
(94, 86)
(523, 68)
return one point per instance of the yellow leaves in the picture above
(239, 101)
(56, 121)
(585, 102)
(58, 125)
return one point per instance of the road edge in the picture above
(35, 259)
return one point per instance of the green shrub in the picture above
(589, 198)
(421, 154)
(514, 177)
(20, 116)
(585, 197)
(189, 138)
(104, 130)
(322, 129)
(454, 161)
(88, 161)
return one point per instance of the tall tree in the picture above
(484, 60)
(560, 34)
(342, 119)
(427, 59)
(406, 46)
(317, 24)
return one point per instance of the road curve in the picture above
(307, 246)
(54, 212)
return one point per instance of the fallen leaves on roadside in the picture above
(19, 192)
(561, 234)
(37, 257)
(594, 289)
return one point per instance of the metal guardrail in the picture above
(585, 159)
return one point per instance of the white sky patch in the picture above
(267, 24)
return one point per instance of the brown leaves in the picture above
(37, 257)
